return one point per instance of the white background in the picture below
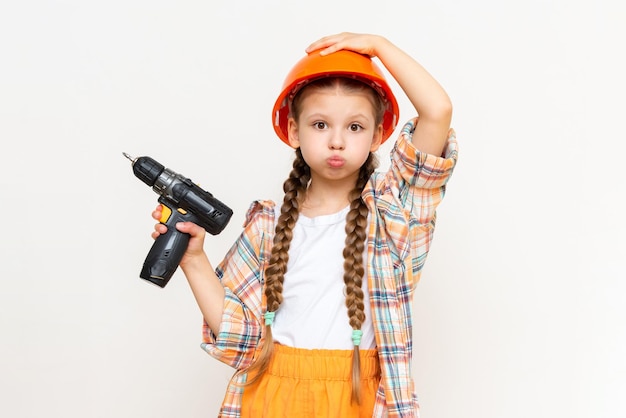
(520, 311)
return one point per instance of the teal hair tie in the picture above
(269, 317)
(356, 336)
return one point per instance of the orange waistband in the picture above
(321, 364)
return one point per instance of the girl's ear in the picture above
(292, 131)
(377, 139)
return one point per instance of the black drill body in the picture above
(183, 201)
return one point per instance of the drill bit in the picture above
(132, 160)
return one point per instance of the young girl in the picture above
(313, 304)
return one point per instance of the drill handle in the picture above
(168, 249)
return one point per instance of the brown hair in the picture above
(295, 188)
(348, 85)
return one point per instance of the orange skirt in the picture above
(312, 383)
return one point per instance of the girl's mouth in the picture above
(336, 162)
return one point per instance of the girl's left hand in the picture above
(362, 43)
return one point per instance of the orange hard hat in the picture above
(342, 63)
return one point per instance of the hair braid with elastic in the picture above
(354, 271)
(295, 189)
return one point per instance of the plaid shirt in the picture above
(402, 205)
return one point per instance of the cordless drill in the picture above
(182, 201)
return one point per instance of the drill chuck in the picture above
(147, 170)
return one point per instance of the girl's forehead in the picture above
(330, 96)
(336, 103)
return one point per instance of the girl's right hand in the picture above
(196, 243)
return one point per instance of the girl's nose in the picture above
(336, 140)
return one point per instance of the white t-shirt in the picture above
(313, 314)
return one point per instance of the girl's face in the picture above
(335, 131)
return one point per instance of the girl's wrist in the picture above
(195, 263)
(380, 44)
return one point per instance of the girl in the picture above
(312, 305)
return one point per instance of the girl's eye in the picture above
(355, 127)
(319, 125)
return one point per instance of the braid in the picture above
(295, 188)
(356, 222)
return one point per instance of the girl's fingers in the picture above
(324, 43)
(156, 213)
(361, 43)
(159, 229)
(190, 228)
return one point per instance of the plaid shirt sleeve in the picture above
(421, 180)
(241, 275)
(408, 195)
